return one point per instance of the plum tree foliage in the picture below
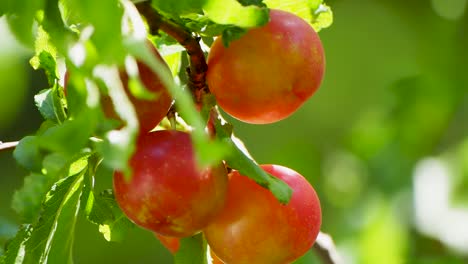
(117, 88)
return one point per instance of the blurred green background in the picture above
(384, 141)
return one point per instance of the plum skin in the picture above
(267, 74)
(255, 228)
(168, 193)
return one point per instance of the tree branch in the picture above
(325, 248)
(198, 67)
(8, 145)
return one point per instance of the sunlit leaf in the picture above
(43, 45)
(48, 63)
(172, 55)
(52, 238)
(55, 28)
(103, 210)
(179, 7)
(105, 25)
(252, 2)
(231, 12)
(15, 250)
(231, 34)
(322, 17)
(318, 14)
(246, 166)
(28, 199)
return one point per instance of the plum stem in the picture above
(197, 66)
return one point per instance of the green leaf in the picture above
(252, 2)
(76, 93)
(138, 89)
(52, 237)
(208, 102)
(172, 54)
(246, 166)
(51, 104)
(315, 12)
(58, 138)
(15, 250)
(231, 34)
(322, 17)
(105, 17)
(20, 18)
(104, 211)
(49, 65)
(203, 26)
(231, 12)
(45, 104)
(28, 154)
(45, 54)
(53, 163)
(192, 251)
(179, 7)
(97, 210)
(57, 31)
(27, 200)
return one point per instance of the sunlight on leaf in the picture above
(233, 13)
(318, 14)
(15, 250)
(179, 7)
(172, 54)
(104, 211)
(52, 236)
(246, 166)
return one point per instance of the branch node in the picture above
(197, 67)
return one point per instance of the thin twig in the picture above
(8, 145)
(325, 248)
(198, 67)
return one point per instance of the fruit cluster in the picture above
(263, 77)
